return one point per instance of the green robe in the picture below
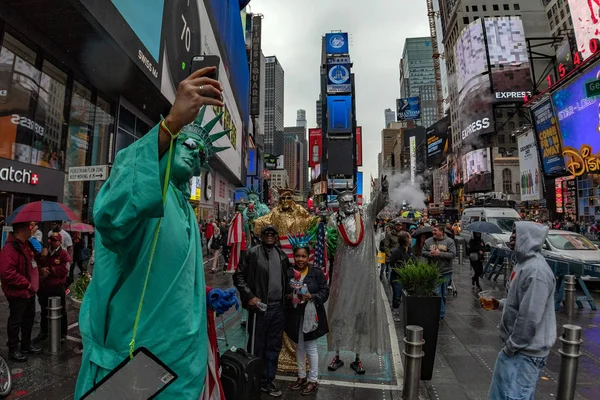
(173, 319)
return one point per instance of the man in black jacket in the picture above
(261, 279)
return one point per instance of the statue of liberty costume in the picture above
(148, 287)
(356, 311)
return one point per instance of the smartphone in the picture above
(199, 62)
(144, 377)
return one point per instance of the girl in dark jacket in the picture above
(476, 249)
(317, 292)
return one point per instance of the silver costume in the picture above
(356, 311)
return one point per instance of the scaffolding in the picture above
(436, 59)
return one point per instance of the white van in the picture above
(504, 218)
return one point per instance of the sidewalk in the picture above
(468, 344)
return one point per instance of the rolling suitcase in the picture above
(241, 373)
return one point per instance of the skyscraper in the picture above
(301, 118)
(274, 103)
(296, 158)
(417, 78)
(390, 116)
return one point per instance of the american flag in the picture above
(321, 260)
(234, 241)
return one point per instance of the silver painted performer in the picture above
(356, 311)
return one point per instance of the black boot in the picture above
(356, 365)
(40, 338)
(16, 355)
(336, 364)
(31, 349)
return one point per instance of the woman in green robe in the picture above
(173, 319)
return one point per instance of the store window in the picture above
(507, 181)
(103, 126)
(31, 107)
(130, 129)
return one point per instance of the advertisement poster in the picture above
(408, 108)
(359, 146)
(566, 192)
(315, 143)
(579, 124)
(586, 23)
(336, 43)
(338, 78)
(548, 138)
(478, 171)
(438, 144)
(529, 166)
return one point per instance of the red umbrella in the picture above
(77, 227)
(41, 211)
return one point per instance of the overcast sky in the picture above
(292, 31)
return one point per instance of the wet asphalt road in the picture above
(467, 347)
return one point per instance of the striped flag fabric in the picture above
(321, 259)
(212, 383)
(234, 241)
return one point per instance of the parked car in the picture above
(574, 247)
(502, 217)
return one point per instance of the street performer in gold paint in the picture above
(288, 218)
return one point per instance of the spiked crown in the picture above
(300, 240)
(252, 190)
(202, 135)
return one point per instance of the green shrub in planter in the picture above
(80, 286)
(419, 278)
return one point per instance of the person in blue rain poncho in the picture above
(148, 262)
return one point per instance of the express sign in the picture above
(10, 174)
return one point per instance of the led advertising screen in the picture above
(478, 171)
(336, 43)
(252, 162)
(579, 124)
(586, 23)
(338, 78)
(548, 136)
(408, 108)
(509, 59)
(359, 183)
(531, 176)
(359, 146)
(438, 144)
(339, 110)
(476, 115)
(315, 143)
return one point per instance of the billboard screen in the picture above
(359, 146)
(408, 108)
(315, 142)
(476, 115)
(338, 78)
(509, 59)
(339, 157)
(336, 43)
(579, 122)
(478, 171)
(531, 177)
(339, 110)
(548, 136)
(586, 23)
(359, 183)
(252, 162)
(438, 144)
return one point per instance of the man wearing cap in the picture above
(53, 278)
(261, 279)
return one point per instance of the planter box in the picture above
(424, 312)
(75, 303)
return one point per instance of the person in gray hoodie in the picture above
(528, 326)
(441, 250)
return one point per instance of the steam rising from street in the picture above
(402, 189)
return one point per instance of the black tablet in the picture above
(140, 378)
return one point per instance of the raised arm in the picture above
(381, 199)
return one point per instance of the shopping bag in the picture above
(381, 257)
(311, 319)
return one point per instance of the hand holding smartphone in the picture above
(199, 62)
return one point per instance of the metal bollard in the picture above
(54, 319)
(460, 253)
(569, 354)
(506, 270)
(413, 351)
(569, 294)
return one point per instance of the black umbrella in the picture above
(483, 227)
(429, 230)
